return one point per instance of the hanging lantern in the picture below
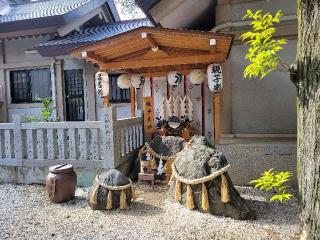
(124, 81)
(102, 84)
(174, 78)
(137, 81)
(196, 76)
(215, 77)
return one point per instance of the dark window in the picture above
(27, 86)
(74, 95)
(118, 95)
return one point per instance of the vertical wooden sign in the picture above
(102, 87)
(148, 115)
(217, 117)
(133, 101)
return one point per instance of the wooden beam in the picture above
(165, 73)
(133, 101)
(124, 47)
(171, 61)
(133, 54)
(183, 51)
(217, 117)
(92, 57)
(155, 54)
(212, 43)
(155, 31)
(153, 44)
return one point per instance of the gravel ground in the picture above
(26, 213)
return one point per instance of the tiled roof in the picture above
(39, 9)
(62, 45)
(4, 7)
(33, 14)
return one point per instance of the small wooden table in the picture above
(147, 177)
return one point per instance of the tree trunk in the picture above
(308, 86)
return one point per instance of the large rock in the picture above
(112, 177)
(168, 145)
(199, 159)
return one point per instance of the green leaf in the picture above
(274, 181)
(263, 49)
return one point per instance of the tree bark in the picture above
(308, 88)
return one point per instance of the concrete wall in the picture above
(15, 49)
(254, 106)
(262, 106)
(234, 10)
(250, 157)
(37, 175)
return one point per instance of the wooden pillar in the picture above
(133, 101)
(217, 117)
(3, 102)
(90, 71)
(60, 90)
(106, 101)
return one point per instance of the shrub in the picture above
(274, 181)
(45, 113)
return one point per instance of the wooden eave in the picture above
(154, 51)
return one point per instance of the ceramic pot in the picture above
(61, 183)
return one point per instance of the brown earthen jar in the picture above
(61, 183)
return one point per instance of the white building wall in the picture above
(262, 106)
(18, 55)
(255, 106)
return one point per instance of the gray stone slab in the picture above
(280, 150)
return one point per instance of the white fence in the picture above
(92, 144)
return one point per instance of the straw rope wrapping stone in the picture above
(205, 201)
(123, 201)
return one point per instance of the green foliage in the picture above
(32, 118)
(47, 109)
(274, 181)
(45, 113)
(128, 9)
(264, 49)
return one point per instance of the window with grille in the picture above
(118, 95)
(27, 86)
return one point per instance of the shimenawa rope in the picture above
(204, 197)
(123, 200)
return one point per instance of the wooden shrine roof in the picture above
(154, 51)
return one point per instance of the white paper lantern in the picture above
(124, 81)
(196, 76)
(174, 78)
(102, 84)
(215, 77)
(137, 81)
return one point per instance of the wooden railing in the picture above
(93, 144)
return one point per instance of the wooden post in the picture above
(133, 101)
(217, 117)
(106, 102)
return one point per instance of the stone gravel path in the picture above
(26, 213)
